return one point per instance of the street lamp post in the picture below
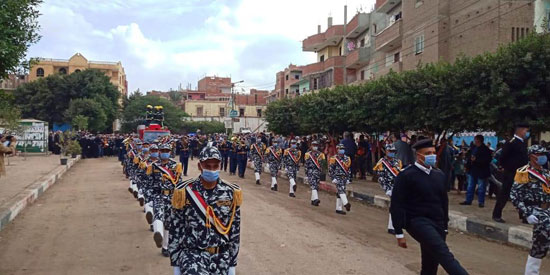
(233, 104)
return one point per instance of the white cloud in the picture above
(251, 40)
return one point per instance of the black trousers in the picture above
(185, 163)
(504, 193)
(434, 250)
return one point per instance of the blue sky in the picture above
(165, 43)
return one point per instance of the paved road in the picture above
(88, 223)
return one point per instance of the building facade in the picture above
(13, 81)
(114, 70)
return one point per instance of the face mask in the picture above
(315, 148)
(391, 154)
(430, 160)
(146, 149)
(541, 160)
(275, 144)
(527, 135)
(293, 146)
(164, 155)
(154, 154)
(341, 151)
(139, 146)
(210, 176)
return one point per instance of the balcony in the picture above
(335, 61)
(384, 6)
(319, 41)
(358, 58)
(396, 67)
(390, 38)
(358, 24)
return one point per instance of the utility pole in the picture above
(233, 104)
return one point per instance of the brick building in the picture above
(215, 84)
(13, 81)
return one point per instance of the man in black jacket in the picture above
(513, 156)
(419, 204)
(479, 172)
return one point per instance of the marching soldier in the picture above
(274, 155)
(233, 156)
(257, 155)
(531, 196)
(224, 148)
(313, 160)
(339, 170)
(291, 159)
(242, 157)
(387, 169)
(148, 192)
(134, 157)
(165, 175)
(205, 221)
(140, 171)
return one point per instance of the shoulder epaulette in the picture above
(136, 160)
(378, 166)
(179, 196)
(400, 164)
(332, 160)
(149, 169)
(179, 168)
(522, 175)
(307, 155)
(237, 192)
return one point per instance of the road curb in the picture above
(514, 235)
(11, 208)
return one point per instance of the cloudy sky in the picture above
(165, 43)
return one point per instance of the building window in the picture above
(296, 76)
(389, 60)
(363, 75)
(419, 44)
(286, 91)
(374, 28)
(315, 83)
(286, 77)
(259, 112)
(362, 43)
(77, 71)
(255, 99)
(322, 58)
(40, 72)
(340, 51)
(241, 112)
(199, 111)
(222, 111)
(396, 57)
(419, 3)
(513, 34)
(63, 71)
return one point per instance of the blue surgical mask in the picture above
(146, 149)
(155, 154)
(210, 176)
(139, 146)
(341, 151)
(293, 146)
(527, 135)
(164, 155)
(430, 160)
(541, 160)
(391, 154)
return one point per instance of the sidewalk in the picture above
(469, 219)
(26, 180)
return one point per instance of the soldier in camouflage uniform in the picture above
(339, 170)
(274, 155)
(165, 175)
(205, 221)
(140, 171)
(257, 149)
(387, 169)
(531, 196)
(291, 159)
(133, 161)
(313, 160)
(148, 192)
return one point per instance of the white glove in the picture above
(231, 271)
(532, 219)
(348, 182)
(388, 193)
(334, 181)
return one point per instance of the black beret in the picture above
(424, 143)
(522, 125)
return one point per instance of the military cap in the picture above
(137, 141)
(314, 142)
(424, 143)
(145, 142)
(537, 149)
(390, 147)
(292, 141)
(210, 152)
(154, 147)
(340, 146)
(165, 146)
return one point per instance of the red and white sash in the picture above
(292, 157)
(538, 176)
(274, 152)
(390, 168)
(169, 174)
(315, 161)
(198, 201)
(342, 165)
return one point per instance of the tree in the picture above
(48, 98)
(9, 114)
(19, 29)
(134, 113)
(92, 110)
(175, 96)
(80, 122)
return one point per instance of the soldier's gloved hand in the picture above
(388, 193)
(334, 181)
(532, 219)
(231, 271)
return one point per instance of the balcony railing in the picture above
(335, 61)
(390, 37)
(358, 57)
(358, 24)
(331, 37)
